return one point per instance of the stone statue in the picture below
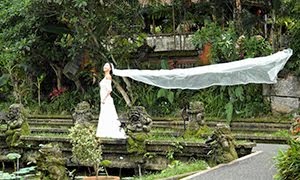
(3, 118)
(17, 125)
(50, 163)
(82, 114)
(222, 146)
(139, 120)
(195, 114)
(137, 128)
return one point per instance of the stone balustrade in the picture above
(171, 42)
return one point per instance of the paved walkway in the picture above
(257, 166)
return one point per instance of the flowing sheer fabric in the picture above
(108, 124)
(251, 70)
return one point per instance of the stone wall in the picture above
(284, 95)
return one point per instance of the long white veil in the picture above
(251, 70)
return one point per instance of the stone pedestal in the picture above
(284, 95)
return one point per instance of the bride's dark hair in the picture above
(111, 67)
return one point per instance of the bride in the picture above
(108, 124)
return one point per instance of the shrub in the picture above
(288, 163)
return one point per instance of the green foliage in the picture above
(168, 94)
(86, 146)
(288, 163)
(176, 148)
(49, 34)
(224, 102)
(233, 101)
(207, 34)
(202, 133)
(136, 143)
(105, 163)
(63, 103)
(287, 17)
(7, 176)
(37, 35)
(26, 170)
(176, 169)
(15, 39)
(255, 46)
(227, 45)
(13, 156)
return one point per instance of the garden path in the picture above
(259, 166)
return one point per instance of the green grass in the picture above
(176, 168)
(160, 137)
(279, 133)
(50, 134)
(263, 119)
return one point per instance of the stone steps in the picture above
(245, 129)
(167, 124)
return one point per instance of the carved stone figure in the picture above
(139, 120)
(17, 125)
(222, 146)
(3, 118)
(50, 163)
(137, 128)
(82, 114)
(195, 114)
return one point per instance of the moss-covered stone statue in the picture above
(137, 128)
(17, 125)
(50, 163)
(82, 113)
(3, 118)
(222, 146)
(194, 114)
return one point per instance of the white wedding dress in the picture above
(108, 124)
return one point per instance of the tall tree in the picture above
(79, 34)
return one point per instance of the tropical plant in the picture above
(15, 156)
(20, 174)
(52, 34)
(227, 45)
(15, 40)
(294, 30)
(209, 33)
(86, 146)
(286, 33)
(233, 101)
(288, 162)
(38, 83)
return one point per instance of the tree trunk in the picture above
(58, 72)
(128, 87)
(123, 92)
(237, 14)
(272, 36)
